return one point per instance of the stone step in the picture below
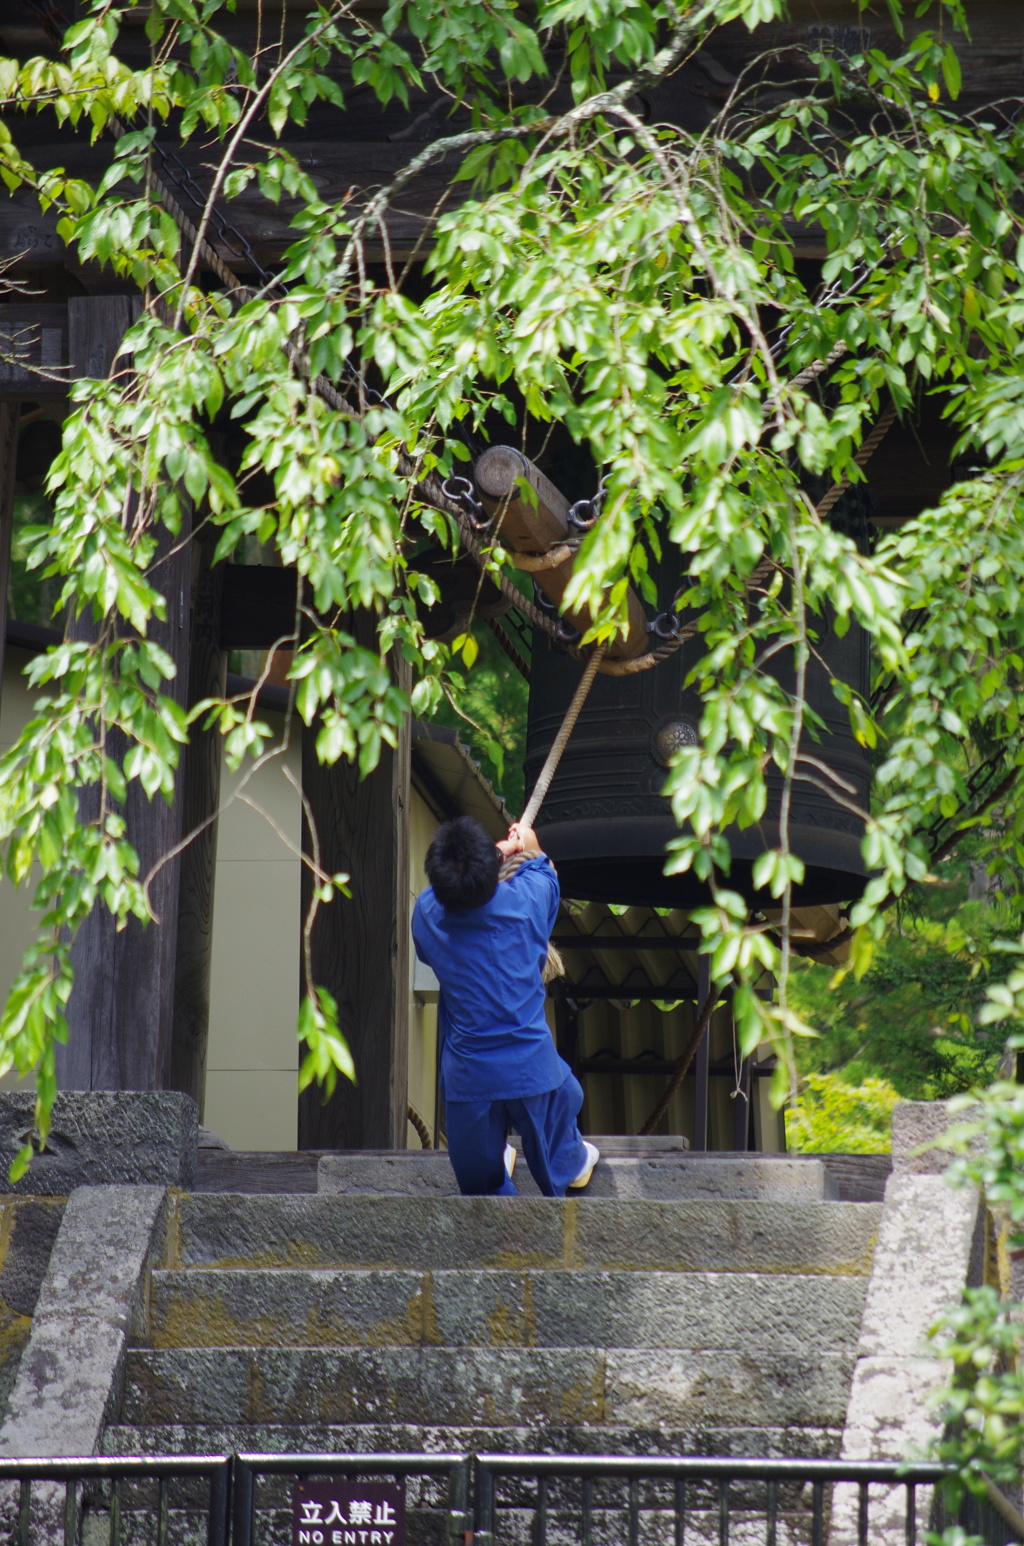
(724, 1438)
(486, 1386)
(233, 1230)
(668, 1175)
(495, 1308)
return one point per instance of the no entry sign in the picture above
(345, 1513)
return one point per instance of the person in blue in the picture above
(486, 942)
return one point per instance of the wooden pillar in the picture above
(120, 1014)
(361, 944)
(700, 1062)
(9, 413)
(199, 792)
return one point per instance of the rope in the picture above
(862, 458)
(505, 644)
(422, 1130)
(551, 626)
(810, 372)
(536, 563)
(835, 493)
(560, 742)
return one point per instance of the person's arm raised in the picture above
(519, 838)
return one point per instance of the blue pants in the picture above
(551, 1141)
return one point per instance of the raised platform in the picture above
(849, 1177)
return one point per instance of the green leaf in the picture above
(951, 71)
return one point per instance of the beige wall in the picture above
(254, 994)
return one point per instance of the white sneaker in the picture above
(593, 1155)
(511, 1153)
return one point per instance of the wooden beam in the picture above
(8, 459)
(523, 525)
(199, 787)
(120, 1014)
(361, 944)
(526, 527)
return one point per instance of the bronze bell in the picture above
(605, 822)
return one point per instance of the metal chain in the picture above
(229, 235)
(462, 492)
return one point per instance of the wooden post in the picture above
(120, 1014)
(526, 527)
(700, 1083)
(361, 944)
(9, 413)
(199, 789)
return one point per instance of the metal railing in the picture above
(708, 1498)
(494, 1499)
(97, 1483)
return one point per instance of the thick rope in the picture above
(835, 493)
(561, 740)
(422, 1130)
(812, 371)
(863, 456)
(536, 563)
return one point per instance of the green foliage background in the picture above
(910, 1026)
(486, 704)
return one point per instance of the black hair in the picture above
(462, 864)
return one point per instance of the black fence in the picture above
(495, 1500)
(596, 1499)
(49, 1500)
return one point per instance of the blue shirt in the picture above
(495, 1041)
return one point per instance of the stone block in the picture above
(429, 1174)
(541, 1438)
(436, 1386)
(890, 1415)
(680, 1388)
(927, 1242)
(401, 1231)
(33, 1231)
(69, 1379)
(103, 1137)
(465, 1307)
(283, 1307)
(916, 1126)
(930, 1247)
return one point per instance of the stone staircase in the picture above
(692, 1306)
